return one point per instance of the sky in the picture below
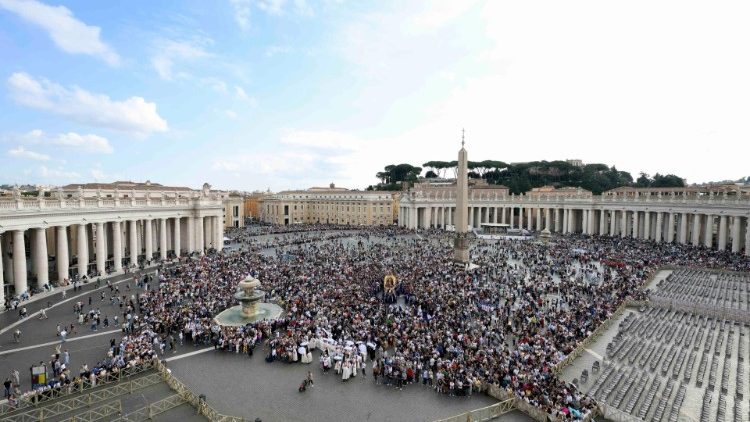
(289, 94)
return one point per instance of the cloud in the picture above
(134, 115)
(57, 173)
(88, 143)
(81, 143)
(231, 114)
(240, 93)
(272, 7)
(21, 152)
(67, 32)
(169, 51)
(241, 13)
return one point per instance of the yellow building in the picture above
(329, 205)
(234, 210)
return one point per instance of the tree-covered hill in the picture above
(522, 177)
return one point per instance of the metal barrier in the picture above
(46, 409)
(483, 414)
(153, 409)
(98, 413)
(189, 397)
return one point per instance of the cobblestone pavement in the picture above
(249, 387)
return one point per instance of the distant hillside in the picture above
(522, 177)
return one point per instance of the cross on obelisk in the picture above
(461, 242)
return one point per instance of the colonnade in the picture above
(720, 230)
(93, 248)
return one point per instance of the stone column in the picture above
(511, 216)
(5, 239)
(163, 238)
(572, 224)
(636, 226)
(83, 251)
(623, 223)
(670, 228)
(683, 228)
(520, 218)
(101, 249)
(502, 215)
(602, 222)
(19, 262)
(2, 272)
(199, 235)
(735, 234)
(133, 236)
(659, 228)
(647, 225)
(219, 233)
(696, 234)
(62, 256)
(547, 224)
(148, 229)
(747, 237)
(565, 228)
(722, 233)
(427, 217)
(190, 235)
(530, 219)
(117, 245)
(539, 219)
(708, 238)
(39, 257)
(612, 222)
(176, 236)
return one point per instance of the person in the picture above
(43, 314)
(310, 379)
(8, 384)
(17, 335)
(16, 377)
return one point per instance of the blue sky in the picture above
(278, 94)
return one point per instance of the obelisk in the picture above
(461, 242)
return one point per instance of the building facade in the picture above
(51, 238)
(234, 211)
(715, 220)
(330, 205)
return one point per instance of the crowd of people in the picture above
(505, 323)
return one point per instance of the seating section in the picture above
(666, 361)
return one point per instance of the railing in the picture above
(34, 400)
(483, 414)
(148, 412)
(196, 401)
(38, 204)
(98, 413)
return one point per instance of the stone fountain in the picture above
(251, 308)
